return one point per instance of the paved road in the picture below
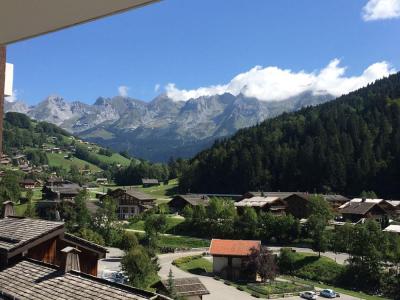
(112, 261)
(340, 258)
(218, 290)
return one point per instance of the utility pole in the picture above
(2, 86)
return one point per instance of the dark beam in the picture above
(2, 85)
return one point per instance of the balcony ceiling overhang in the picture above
(24, 19)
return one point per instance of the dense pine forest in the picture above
(345, 146)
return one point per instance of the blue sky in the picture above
(203, 43)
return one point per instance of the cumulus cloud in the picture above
(381, 9)
(123, 91)
(157, 87)
(275, 84)
(13, 97)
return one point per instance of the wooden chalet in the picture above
(179, 202)
(335, 201)
(231, 257)
(64, 191)
(274, 205)
(31, 279)
(27, 183)
(43, 241)
(130, 202)
(190, 288)
(297, 203)
(389, 206)
(148, 182)
(357, 211)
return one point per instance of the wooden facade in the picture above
(43, 241)
(131, 202)
(298, 206)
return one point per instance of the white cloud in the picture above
(381, 9)
(157, 87)
(123, 91)
(13, 97)
(275, 84)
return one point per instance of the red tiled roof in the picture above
(233, 247)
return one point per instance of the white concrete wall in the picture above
(8, 88)
(219, 263)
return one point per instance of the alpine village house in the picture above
(39, 260)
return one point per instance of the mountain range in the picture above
(161, 128)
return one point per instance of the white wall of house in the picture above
(219, 263)
(8, 88)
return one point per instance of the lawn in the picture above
(21, 208)
(114, 158)
(172, 221)
(58, 160)
(177, 242)
(312, 267)
(194, 264)
(163, 191)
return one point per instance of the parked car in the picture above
(309, 295)
(328, 293)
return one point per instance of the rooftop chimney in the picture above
(70, 259)
(8, 209)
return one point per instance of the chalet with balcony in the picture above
(130, 202)
(27, 183)
(179, 202)
(231, 257)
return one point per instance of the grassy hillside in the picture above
(38, 138)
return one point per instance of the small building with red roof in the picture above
(231, 257)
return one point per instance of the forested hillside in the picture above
(345, 146)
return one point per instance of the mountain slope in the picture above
(36, 139)
(347, 145)
(161, 128)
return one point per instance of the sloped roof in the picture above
(233, 247)
(392, 228)
(16, 232)
(84, 243)
(33, 280)
(394, 203)
(149, 181)
(191, 286)
(257, 201)
(357, 208)
(139, 195)
(195, 199)
(358, 200)
(334, 198)
(282, 195)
